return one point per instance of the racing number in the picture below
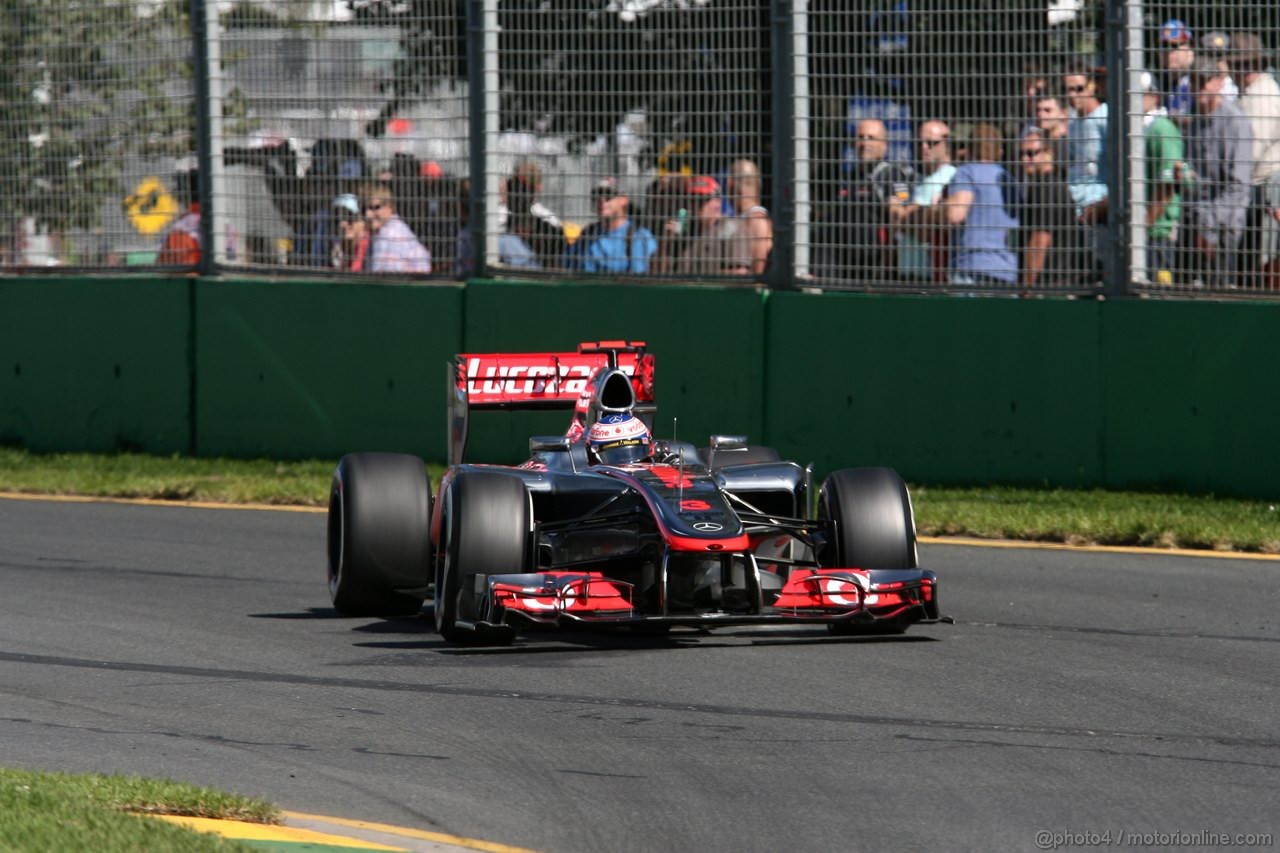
(694, 506)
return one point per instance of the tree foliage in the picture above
(86, 85)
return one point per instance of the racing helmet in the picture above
(618, 439)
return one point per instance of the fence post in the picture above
(1135, 159)
(482, 88)
(1117, 271)
(780, 274)
(206, 32)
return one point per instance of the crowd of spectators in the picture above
(1019, 204)
(969, 217)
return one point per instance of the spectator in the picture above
(857, 241)
(713, 246)
(351, 248)
(546, 236)
(1163, 152)
(1052, 120)
(337, 166)
(922, 244)
(1216, 182)
(981, 202)
(755, 226)
(394, 247)
(1086, 152)
(1260, 102)
(667, 215)
(181, 244)
(613, 243)
(513, 243)
(1177, 56)
(1216, 46)
(1055, 246)
(426, 203)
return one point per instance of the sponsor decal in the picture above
(557, 376)
(671, 477)
(708, 526)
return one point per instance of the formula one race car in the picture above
(603, 526)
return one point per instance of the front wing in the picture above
(808, 596)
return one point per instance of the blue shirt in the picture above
(625, 249)
(981, 244)
(1086, 165)
(515, 252)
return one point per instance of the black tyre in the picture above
(379, 535)
(486, 529)
(866, 514)
(869, 525)
(750, 454)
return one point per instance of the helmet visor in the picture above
(622, 452)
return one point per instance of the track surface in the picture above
(1078, 692)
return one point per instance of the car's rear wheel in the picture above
(486, 529)
(379, 542)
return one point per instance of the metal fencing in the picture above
(1005, 146)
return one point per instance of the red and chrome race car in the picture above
(604, 526)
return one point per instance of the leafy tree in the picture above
(84, 86)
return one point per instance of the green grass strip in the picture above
(1079, 517)
(90, 812)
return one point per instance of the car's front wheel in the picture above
(869, 524)
(486, 529)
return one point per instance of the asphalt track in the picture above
(1078, 693)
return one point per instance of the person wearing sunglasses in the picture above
(394, 247)
(1055, 246)
(1086, 151)
(922, 247)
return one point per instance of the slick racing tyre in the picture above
(867, 518)
(486, 530)
(379, 539)
(750, 454)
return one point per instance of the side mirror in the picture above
(545, 443)
(728, 442)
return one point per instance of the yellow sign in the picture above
(150, 208)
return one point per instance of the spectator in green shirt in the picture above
(1163, 152)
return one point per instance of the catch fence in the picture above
(1111, 147)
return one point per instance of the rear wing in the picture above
(542, 381)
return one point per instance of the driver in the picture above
(618, 439)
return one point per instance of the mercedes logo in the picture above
(707, 526)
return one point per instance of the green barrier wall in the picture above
(301, 369)
(96, 364)
(944, 390)
(708, 343)
(1121, 394)
(1189, 402)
